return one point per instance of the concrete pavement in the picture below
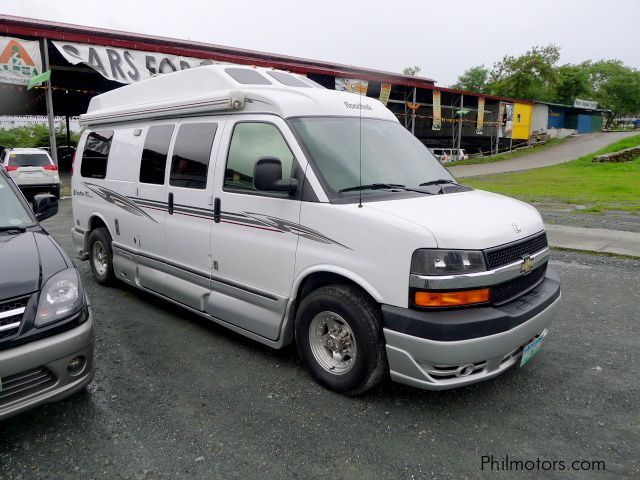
(572, 148)
(594, 240)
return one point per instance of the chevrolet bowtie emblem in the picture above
(527, 264)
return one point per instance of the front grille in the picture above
(506, 291)
(10, 322)
(23, 384)
(499, 256)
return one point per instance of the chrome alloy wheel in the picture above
(332, 343)
(99, 257)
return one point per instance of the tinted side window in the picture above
(250, 142)
(154, 154)
(96, 154)
(190, 159)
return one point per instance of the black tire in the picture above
(364, 318)
(55, 191)
(101, 236)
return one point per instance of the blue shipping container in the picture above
(584, 123)
(556, 118)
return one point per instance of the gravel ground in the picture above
(612, 220)
(177, 397)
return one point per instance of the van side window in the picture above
(154, 154)
(96, 154)
(250, 142)
(191, 153)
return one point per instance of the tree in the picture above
(414, 71)
(474, 79)
(616, 88)
(572, 81)
(531, 76)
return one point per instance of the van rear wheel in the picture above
(339, 337)
(101, 256)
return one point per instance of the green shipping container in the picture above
(596, 123)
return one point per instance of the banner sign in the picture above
(385, 92)
(502, 120)
(19, 60)
(480, 121)
(588, 104)
(437, 112)
(352, 85)
(123, 65)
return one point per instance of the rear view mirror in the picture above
(45, 206)
(267, 176)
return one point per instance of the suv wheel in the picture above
(55, 191)
(339, 337)
(101, 256)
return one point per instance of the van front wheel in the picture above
(339, 337)
(101, 256)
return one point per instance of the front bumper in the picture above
(448, 349)
(36, 372)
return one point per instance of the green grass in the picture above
(598, 186)
(509, 155)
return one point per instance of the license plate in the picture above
(531, 349)
(31, 174)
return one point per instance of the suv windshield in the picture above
(28, 159)
(12, 211)
(390, 154)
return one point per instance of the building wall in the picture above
(522, 121)
(540, 119)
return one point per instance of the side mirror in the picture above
(267, 176)
(45, 206)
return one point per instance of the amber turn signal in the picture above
(452, 299)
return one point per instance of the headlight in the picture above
(447, 262)
(61, 297)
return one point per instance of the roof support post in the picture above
(49, 100)
(460, 127)
(413, 111)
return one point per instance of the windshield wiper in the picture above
(438, 182)
(12, 228)
(371, 186)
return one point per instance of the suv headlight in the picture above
(447, 262)
(61, 297)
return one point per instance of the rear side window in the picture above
(250, 142)
(29, 160)
(96, 154)
(154, 154)
(191, 153)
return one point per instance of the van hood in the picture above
(467, 220)
(27, 260)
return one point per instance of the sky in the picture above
(444, 37)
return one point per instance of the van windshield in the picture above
(12, 211)
(391, 155)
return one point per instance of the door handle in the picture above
(170, 208)
(216, 210)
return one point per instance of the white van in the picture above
(292, 213)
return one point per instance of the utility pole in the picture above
(49, 100)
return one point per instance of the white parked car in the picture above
(292, 213)
(32, 169)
